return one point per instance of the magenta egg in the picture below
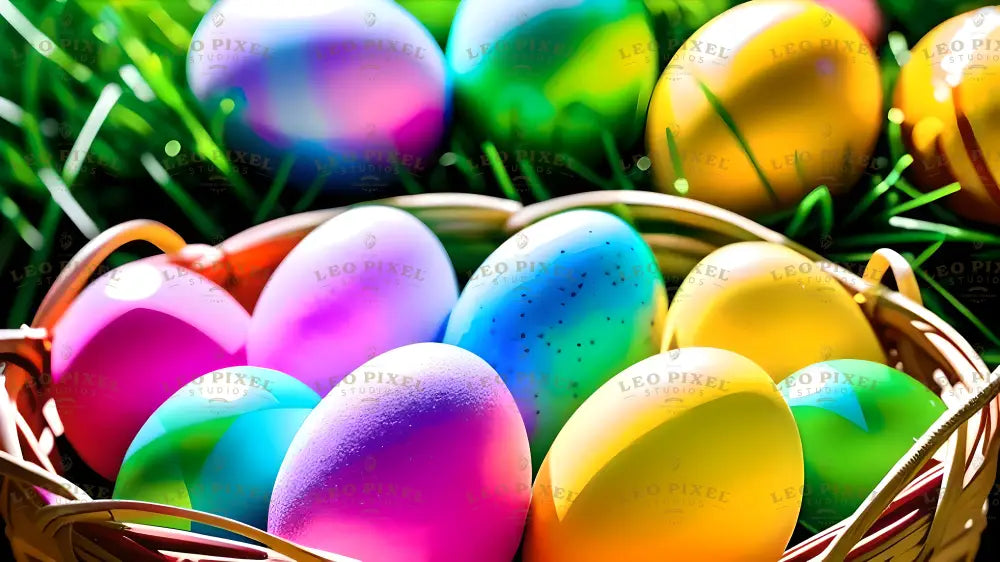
(369, 280)
(132, 338)
(418, 455)
(353, 90)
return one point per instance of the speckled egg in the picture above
(560, 308)
(418, 455)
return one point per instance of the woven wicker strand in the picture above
(930, 506)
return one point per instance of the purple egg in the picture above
(351, 89)
(418, 455)
(366, 281)
(130, 340)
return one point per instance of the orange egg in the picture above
(764, 103)
(951, 112)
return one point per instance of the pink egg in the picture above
(366, 281)
(130, 340)
(418, 455)
(864, 14)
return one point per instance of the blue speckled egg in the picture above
(559, 309)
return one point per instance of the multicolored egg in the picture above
(554, 76)
(764, 103)
(560, 308)
(856, 420)
(366, 281)
(663, 456)
(130, 340)
(418, 455)
(216, 446)
(352, 90)
(947, 94)
(772, 305)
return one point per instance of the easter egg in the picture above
(436, 15)
(418, 455)
(128, 341)
(366, 281)
(560, 308)
(665, 455)
(764, 103)
(553, 76)
(863, 14)
(772, 305)
(856, 420)
(216, 446)
(352, 90)
(950, 111)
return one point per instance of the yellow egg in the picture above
(686, 455)
(772, 305)
(951, 113)
(764, 103)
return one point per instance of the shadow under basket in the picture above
(930, 506)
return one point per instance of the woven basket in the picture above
(931, 506)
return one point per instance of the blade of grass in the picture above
(615, 161)
(274, 192)
(311, 193)
(928, 253)
(880, 189)
(951, 232)
(496, 163)
(27, 231)
(25, 296)
(940, 212)
(64, 198)
(99, 113)
(581, 169)
(538, 190)
(731, 125)
(680, 183)
(961, 308)
(924, 199)
(208, 228)
(820, 199)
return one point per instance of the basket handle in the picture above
(885, 260)
(71, 281)
(907, 468)
(52, 518)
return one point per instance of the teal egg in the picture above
(559, 309)
(216, 446)
(856, 419)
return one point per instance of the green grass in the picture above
(95, 117)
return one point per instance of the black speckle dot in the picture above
(526, 350)
(608, 318)
(530, 301)
(652, 322)
(560, 321)
(536, 395)
(562, 251)
(541, 336)
(548, 344)
(494, 319)
(614, 283)
(579, 345)
(590, 232)
(563, 289)
(562, 304)
(522, 315)
(606, 243)
(607, 273)
(538, 412)
(575, 397)
(522, 335)
(579, 360)
(524, 294)
(579, 286)
(584, 274)
(591, 342)
(574, 384)
(618, 267)
(559, 351)
(623, 321)
(572, 294)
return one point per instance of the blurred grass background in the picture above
(97, 126)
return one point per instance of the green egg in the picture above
(856, 419)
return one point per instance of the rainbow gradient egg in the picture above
(353, 90)
(216, 446)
